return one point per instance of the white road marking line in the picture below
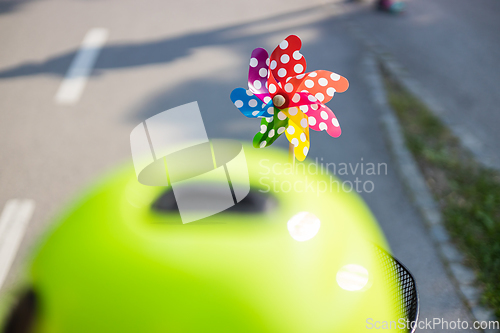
(76, 78)
(13, 222)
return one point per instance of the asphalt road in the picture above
(451, 47)
(163, 54)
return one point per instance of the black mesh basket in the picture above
(403, 287)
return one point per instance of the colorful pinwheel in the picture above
(286, 99)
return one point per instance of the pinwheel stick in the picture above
(278, 101)
(291, 154)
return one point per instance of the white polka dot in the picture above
(263, 105)
(335, 77)
(285, 58)
(324, 115)
(269, 119)
(303, 122)
(295, 142)
(312, 121)
(313, 74)
(320, 97)
(272, 88)
(283, 44)
(290, 130)
(314, 107)
(309, 83)
(252, 103)
(330, 91)
(271, 133)
(255, 113)
(300, 76)
(322, 126)
(254, 62)
(267, 62)
(293, 111)
(281, 130)
(281, 115)
(335, 122)
(289, 87)
(270, 110)
(263, 72)
(312, 98)
(305, 90)
(249, 93)
(263, 144)
(257, 84)
(263, 129)
(281, 72)
(267, 99)
(304, 108)
(305, 151)
(266, 84)
(296, 55)
(323, 82)
(238, 104)
(298, 68)
(274, 64)
(303, 137)
(296, 98)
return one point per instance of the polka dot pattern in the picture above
(297, 131)
(322, 85)
(257, 73)
(276, 88)
(289, 61)
(283, 73)
(270, 129)
(301, 98)
(250, 105)
(323, 119)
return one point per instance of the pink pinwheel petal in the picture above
(303, 98)
(257, 74)
(286, 60)
(321, 118)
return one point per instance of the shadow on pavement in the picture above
(117, 56)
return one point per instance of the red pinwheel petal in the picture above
(323, 84)
(286, 60)
(275, 88)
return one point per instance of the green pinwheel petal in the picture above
(271, 129)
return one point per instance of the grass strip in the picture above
(467, 193)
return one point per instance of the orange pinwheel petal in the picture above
(323, 84)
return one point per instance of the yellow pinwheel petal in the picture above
(297, 131)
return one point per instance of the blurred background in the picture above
(58, 134)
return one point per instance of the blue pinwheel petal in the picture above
(250, 105)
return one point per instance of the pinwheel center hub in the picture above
(278, 100)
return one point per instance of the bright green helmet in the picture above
(121, 260)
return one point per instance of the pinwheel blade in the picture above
(271, 128)
(303, 98)
(322, 84)
(258, 73)
(321, 118)
(286, 59)
(297, 131)
(250, 105)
